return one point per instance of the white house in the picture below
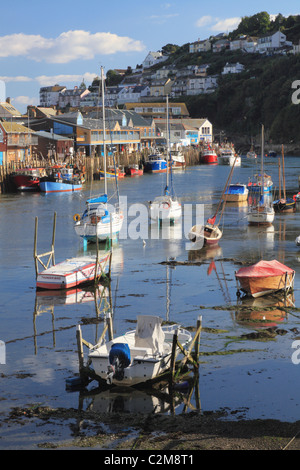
(133, 94)
(233, 68)
(185, 131)
(271, 42)
(49, 95)
(153, 58)
(198, 85)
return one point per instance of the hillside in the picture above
(260, 94)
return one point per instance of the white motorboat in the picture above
(139, 355)
(228, 156)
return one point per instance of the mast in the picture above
(104, 130)
(168, 147)
(262, 162)
(283, 173)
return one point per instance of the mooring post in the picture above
(53, 238)
(35, 249)
(173, 354)
(197, 342)
(80, 351)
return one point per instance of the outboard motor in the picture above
(119, 359)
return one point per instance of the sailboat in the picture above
(210, 233)
(283, 204)
(166, 208)
(100, 220)
(262, 212)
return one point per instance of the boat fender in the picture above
(76, 217)
(295, 197)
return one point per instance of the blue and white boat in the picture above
(100, 221)
(60, 180)
(156, 163)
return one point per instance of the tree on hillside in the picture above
(169, 49)
(255, 25)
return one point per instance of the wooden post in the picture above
(173, 354)
(53, 239)
(34, 248)
(197, 342)
(80, 351)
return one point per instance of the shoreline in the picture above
(122, 432)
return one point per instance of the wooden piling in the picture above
(50, 254)
(80, 351)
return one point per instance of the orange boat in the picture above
(265, 277)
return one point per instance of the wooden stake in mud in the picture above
(80, 351)
(37, 258)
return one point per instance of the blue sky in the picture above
(65, 41)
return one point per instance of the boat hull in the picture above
(257, 287)
(256, 216)
(92, 227)
(58, 187)
(145, 365)
(207, 234)
(72, 272)
(209, 158)
(236, 193)
(165, 210)
(265, 277)
(284, 205)
(230, 160)
(134, 171)
(159, 166)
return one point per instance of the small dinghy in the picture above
(265, 277)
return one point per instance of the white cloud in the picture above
(218, 24)
(229, 24)
(19, 78)
(45, 80)
(67, 47)
(25, 100)
(204, 21)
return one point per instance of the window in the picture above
(1, 135)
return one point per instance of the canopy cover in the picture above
(264, 269)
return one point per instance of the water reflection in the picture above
(262, 312)
(162, 397)
(46, 301)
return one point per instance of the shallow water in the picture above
(256, 380)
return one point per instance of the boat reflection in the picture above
(205, 253)
(263, 312)
(46, 301)
(117, 258)
(161, 398)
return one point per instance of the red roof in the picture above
(264, 269)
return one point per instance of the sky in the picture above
(66, 41)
